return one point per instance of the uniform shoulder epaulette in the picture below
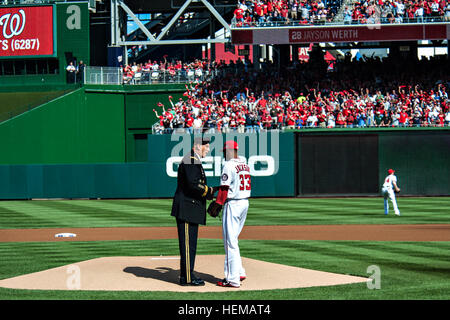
(190, 159)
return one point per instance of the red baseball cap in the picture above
(391, 171)
(230, 144)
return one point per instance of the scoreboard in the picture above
(27, 31)
(38, 41)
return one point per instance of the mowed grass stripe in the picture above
(283, 211)
(59, 215)
(115, 206)
(417, 249)
(349, 210)
(393, 255)
(376, 254)
(130, 214)
(375, 202)
(310, 255)
(92, 215)
(148, 204)
(23, 214)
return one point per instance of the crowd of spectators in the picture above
(397, 11)
(264, 12)
(371, 92)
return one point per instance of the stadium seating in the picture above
(369, 92)
(306, 12)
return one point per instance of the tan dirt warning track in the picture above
(416, 232)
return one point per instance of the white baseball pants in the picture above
(233, 219)
(389, 194)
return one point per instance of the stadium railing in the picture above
(297, 23)
(116, 76)
(103, 75)
(158, 129)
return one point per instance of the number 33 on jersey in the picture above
(236, 175)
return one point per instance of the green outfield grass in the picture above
(156, 212)
(409, 270)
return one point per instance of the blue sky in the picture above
(131, 26)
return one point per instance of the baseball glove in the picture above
(214, 209)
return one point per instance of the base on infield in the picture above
(161, 274)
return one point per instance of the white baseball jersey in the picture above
(388, 182)
(236, 175)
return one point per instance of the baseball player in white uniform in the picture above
(233, 194)
(389, 186)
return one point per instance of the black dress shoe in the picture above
(194, 282)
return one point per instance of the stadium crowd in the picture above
(261, 12)
(265, 12)
(371, 92)
(397, 11)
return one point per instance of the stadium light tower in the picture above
(117, 39)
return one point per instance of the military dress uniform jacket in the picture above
(189, 202)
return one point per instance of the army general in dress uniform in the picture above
(189, 207)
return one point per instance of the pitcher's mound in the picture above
(161, 274)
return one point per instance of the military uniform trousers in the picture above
(187, 238)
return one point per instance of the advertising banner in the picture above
(334, 34)
(27, 31)
(270, 156)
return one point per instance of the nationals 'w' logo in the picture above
(13, 24)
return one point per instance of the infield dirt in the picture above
(414, 232)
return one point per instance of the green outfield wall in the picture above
(303, 164)
(355, 161)
(421, 160)
(76, 181)
(89, 125)
(274, 170)
(138, 102)
(74, 128)
(19, 99)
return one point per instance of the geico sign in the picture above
(213, 166)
